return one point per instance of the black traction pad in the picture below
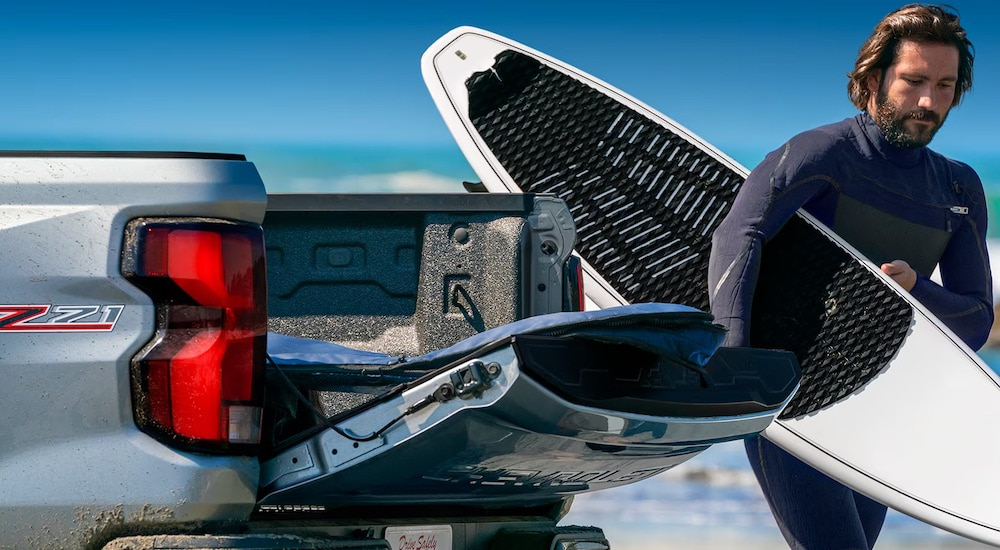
(646, 200)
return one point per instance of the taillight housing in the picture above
(199, 382)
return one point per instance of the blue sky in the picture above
(232, 76)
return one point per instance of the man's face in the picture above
(913, 98)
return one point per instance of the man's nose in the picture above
(926, 100)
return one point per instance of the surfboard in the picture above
(891, 403)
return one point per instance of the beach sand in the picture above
(713, 502)
(635, 536)
(737, 540)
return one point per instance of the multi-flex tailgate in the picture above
(532, 411)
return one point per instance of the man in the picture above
(874, 181)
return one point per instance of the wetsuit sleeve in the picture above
(772, 193)
(965, 302)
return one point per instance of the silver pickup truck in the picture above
(187, 362)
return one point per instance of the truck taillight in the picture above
(199, 381)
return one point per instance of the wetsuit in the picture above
(889, 203)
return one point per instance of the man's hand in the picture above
(901, 272)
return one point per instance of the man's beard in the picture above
(892, 123)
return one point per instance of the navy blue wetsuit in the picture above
(890, 203)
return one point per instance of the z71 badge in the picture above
(49, 318)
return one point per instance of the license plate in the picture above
(419, 537)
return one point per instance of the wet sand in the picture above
(633, 538)
(714, 503)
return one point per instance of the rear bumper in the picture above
(523, 535)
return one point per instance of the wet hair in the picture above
(925, 24)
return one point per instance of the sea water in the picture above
(362, 169)
(712, 501)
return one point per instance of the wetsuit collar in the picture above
(897, 155)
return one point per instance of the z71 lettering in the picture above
(62, 318)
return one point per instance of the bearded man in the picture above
(874, 181)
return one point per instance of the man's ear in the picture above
(872, 83)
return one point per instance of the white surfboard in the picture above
(902, 422)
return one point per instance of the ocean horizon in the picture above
(441, 168)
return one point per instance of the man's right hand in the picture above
(901, 272)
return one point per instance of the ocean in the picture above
(710, 502)
(361, 168)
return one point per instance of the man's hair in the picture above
(925, 24)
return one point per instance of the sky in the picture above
(230, 76)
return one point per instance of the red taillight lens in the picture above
(200, 380)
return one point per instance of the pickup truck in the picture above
(188, 362)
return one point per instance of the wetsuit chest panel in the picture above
(883, 237)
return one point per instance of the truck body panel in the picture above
(72, 462)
